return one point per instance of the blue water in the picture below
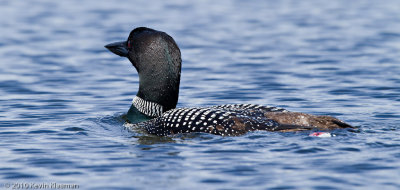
(63, 96)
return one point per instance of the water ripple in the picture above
(63, 96)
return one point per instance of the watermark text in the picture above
(38, 186)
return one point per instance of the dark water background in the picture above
(63, 96)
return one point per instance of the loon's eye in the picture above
(129, 44)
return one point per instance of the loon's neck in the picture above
(157, 59)
(142, 110)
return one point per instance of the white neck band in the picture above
(148, 108)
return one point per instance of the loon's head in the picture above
(157, 59)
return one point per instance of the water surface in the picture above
(63, 96)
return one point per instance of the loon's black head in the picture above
(157, 59)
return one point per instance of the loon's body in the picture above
(157, 59)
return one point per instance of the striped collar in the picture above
(148, 108)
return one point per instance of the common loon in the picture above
(157, 59)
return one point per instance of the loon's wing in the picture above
(246, 107)
(226, 120)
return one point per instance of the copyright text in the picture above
(38, 186)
